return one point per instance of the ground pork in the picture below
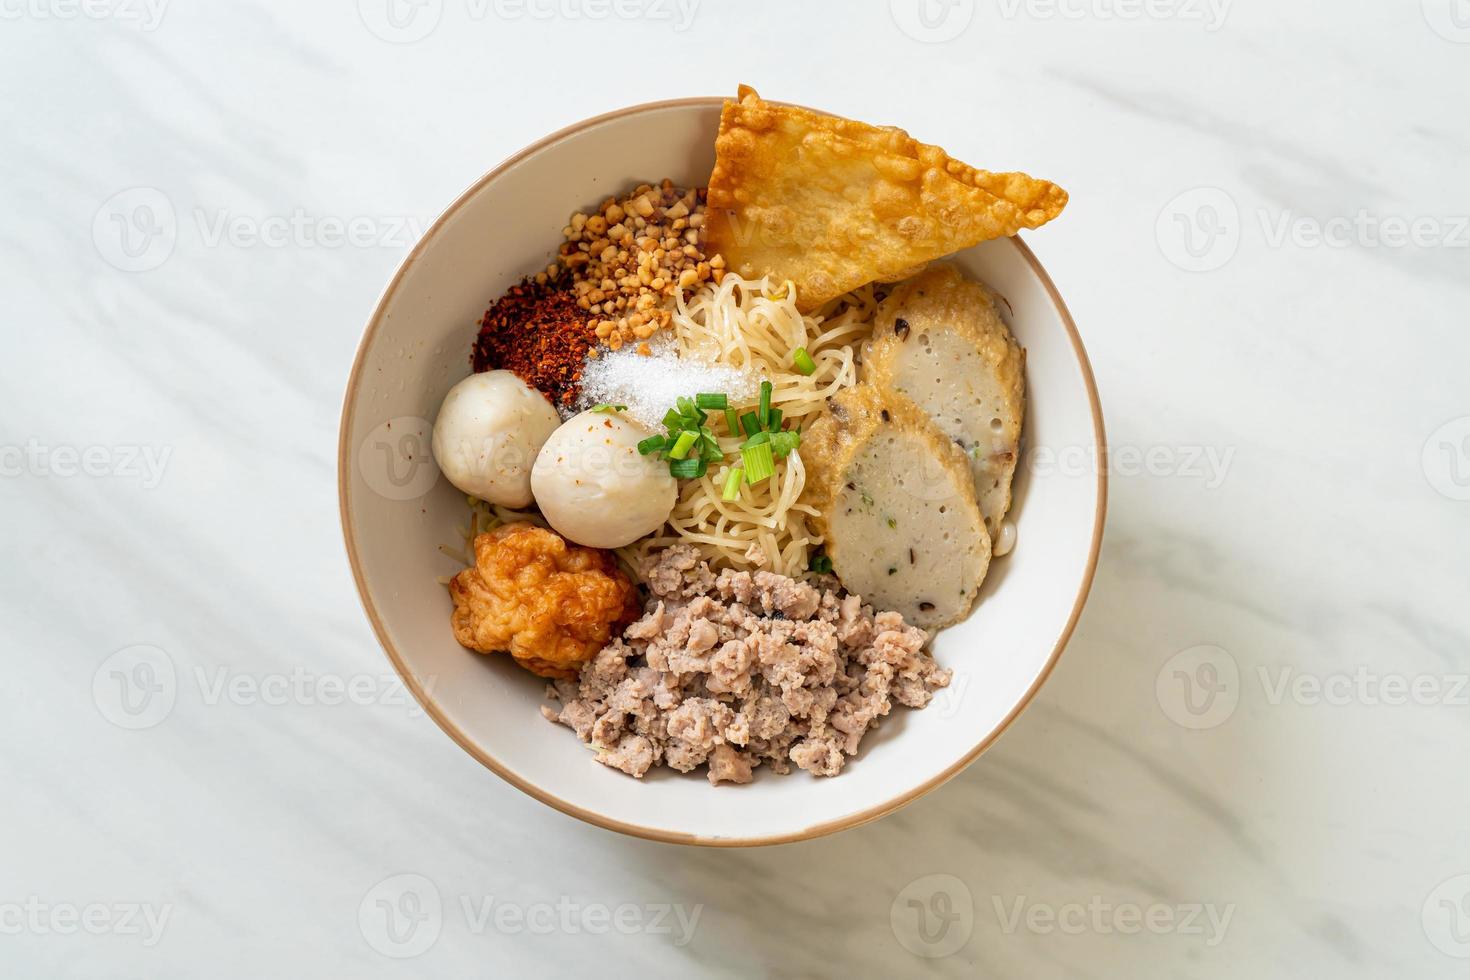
(734, 670)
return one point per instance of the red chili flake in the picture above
(537, 331)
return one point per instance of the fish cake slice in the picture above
(896, 506)
(939, 340)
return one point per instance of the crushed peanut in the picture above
(627, 260)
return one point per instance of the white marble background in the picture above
(1249, 763)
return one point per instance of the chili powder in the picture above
(536, 331)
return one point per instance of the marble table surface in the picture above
(1250, 761)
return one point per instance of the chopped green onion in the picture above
(686, 406)
(605, 407)
(732, 485)
(759, 463)
(733, 421)
(756, 440)
(773, 420)
(803, 361)
(652, 444)
(688, 469)
(673, 421)
(751, 423)
(683, 444)
(716, 401)
(765, 409)
(821, 564)
(782, 443)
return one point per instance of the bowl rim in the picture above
(477, 752)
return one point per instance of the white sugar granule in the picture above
(651, 384)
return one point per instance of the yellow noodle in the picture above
(755, 324)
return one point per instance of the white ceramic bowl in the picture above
(397, 511)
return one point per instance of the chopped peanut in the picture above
(629, 257)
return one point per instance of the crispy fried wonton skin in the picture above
(551, 605)
(832, 204)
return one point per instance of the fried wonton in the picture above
(832, 204)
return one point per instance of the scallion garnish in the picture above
(782, 443)
(733, 421)
(732, 485)
(683, 444)
(716, 402)
(803, 361)
(759, 463)
(765, 406)
(773, 420)
(609, 409)
(751, 423)
(688, 469)
(652, 444)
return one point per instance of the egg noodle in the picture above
(754, 324)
